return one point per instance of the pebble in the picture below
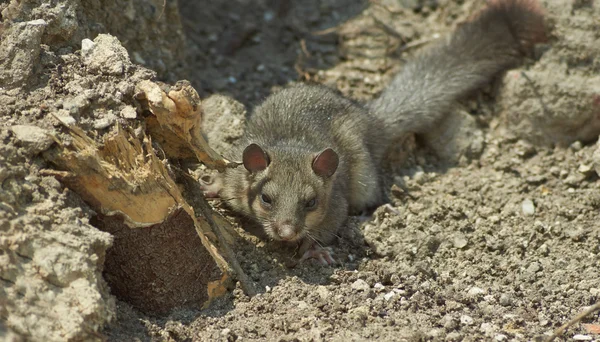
(360, 285)
(389, 295)
(500, 337)
(576, 146)
(528, 207)
(323, 292)
(35, 139)
(580, 337)
(225, 332)
(102, 123)
(505, 299)
(378, 286)
(586, 169)
(466, 320)
(494, 218)
(128, 112)
(475, 291)
(460, 241)
(533, 268)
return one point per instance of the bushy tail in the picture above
(493, 41)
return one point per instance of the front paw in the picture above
(210, 185)
(324, 255)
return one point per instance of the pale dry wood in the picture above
(124, 176)
(178, 110)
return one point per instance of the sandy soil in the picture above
(496, 228)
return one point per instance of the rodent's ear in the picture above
(255, 158)
(325, 163)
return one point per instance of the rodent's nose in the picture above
(286, 232)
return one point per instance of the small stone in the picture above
(360, 285)
(475, 291)
(494, 219)
(505, 299)
(105, 55)
(595, 291)
(34, 139)
(64, 117)
(128, 112)
(524, 149)
(528, 207)
(580, 337)
(323, 292)
(225, 332)
(267, 288)
(301, 304)
(586, 169)
(466, 320)
(576, 146)
(389, 295)
(86, 46)
(460, 241)
(379, 286)
(420, 177)
(102, 123)
(500, 337)
(575, 179)
(534, 267)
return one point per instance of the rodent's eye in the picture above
(312, 203)
(265, 199)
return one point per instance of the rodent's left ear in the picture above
(326, 163)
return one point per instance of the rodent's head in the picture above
(289, 193)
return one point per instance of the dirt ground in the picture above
(496, 229)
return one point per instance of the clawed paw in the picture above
(210, 186)
(322, 254)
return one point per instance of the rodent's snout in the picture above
(286, 231)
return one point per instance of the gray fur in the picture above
(294, 124)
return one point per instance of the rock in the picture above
(360, 285)
(533, 268)
(20, 52)
(105, 55)
(460, 241)
(65, 118)
(323, 292)
(32, 138)
(576, 146)
(475, 291)
(580, 337)
(528, 207)
(389, 295)
(506, 299)
(128, 112)
(500, 337)
(466, 320)
(586, 169)
(102, 123)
